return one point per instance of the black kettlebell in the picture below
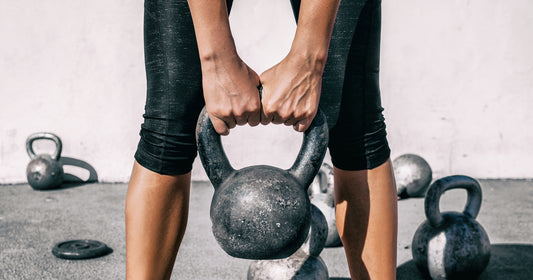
(261, 212)
(451, 245)
(44, 171)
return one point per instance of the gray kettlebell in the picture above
(44, 171)
(304, 264)
(318, 233)
(413, 175)
(296, 267)
(321, 193)
(261, 212)
(451, 245)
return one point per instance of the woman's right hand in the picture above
(230, 92)
(230, 86)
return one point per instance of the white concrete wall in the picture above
(457, 80)
(458, 84)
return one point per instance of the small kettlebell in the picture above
(451, 245)
(304, 264)
(318, 233)
(413, 175)
(261, 212)
(44, 171)
(296, 267)
(321, 193)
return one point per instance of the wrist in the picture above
(212, 29)
(309, 48)
(212, 47)
(313, 32)
(219, 60)
(314, 57)
(212, 55)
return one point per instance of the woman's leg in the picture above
(366, 214)
(157, 201)
(365, 191)
(156, 217)
(158, 192)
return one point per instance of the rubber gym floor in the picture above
(32, 222)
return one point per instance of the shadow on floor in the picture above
(507, 262)
(74, 180)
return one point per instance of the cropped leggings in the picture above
(350, 95)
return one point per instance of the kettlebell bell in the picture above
(451, 245)
(321, 193)
(412, 174)
(261, 212)
(44, 171)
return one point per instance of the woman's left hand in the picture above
(291, 91)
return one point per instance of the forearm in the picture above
(315, 25)
(212, 29)
(229, 85)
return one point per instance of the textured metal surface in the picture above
(44, 171)
(81, 249)
(432, 201)
(312, 152)
(322, 196)
(451, 245)
(44, 136)
(214, 159)
(458, 249)
(305, 263)
(413, 175)
(297, 267)
(318, 233)
(261, 212)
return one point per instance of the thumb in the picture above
(220, 126)
(303, 125)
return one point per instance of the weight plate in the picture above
(80, 249)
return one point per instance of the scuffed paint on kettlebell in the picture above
(451, 245)
(261, 212)
(44, 171)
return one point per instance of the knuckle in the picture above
(305, 113)
(238, 114)
(254, 108)
(284, 113)
(221, 112)
(299, 115)
(268, 111)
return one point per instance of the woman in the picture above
(191, 61)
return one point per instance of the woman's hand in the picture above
(230, 93)
(230, 86)
(291, 91)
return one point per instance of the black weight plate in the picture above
(80, 249)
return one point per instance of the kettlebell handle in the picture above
(44, 135)
(304, 169)
(473, 203)
(312, 152)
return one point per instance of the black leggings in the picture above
(350, 95)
